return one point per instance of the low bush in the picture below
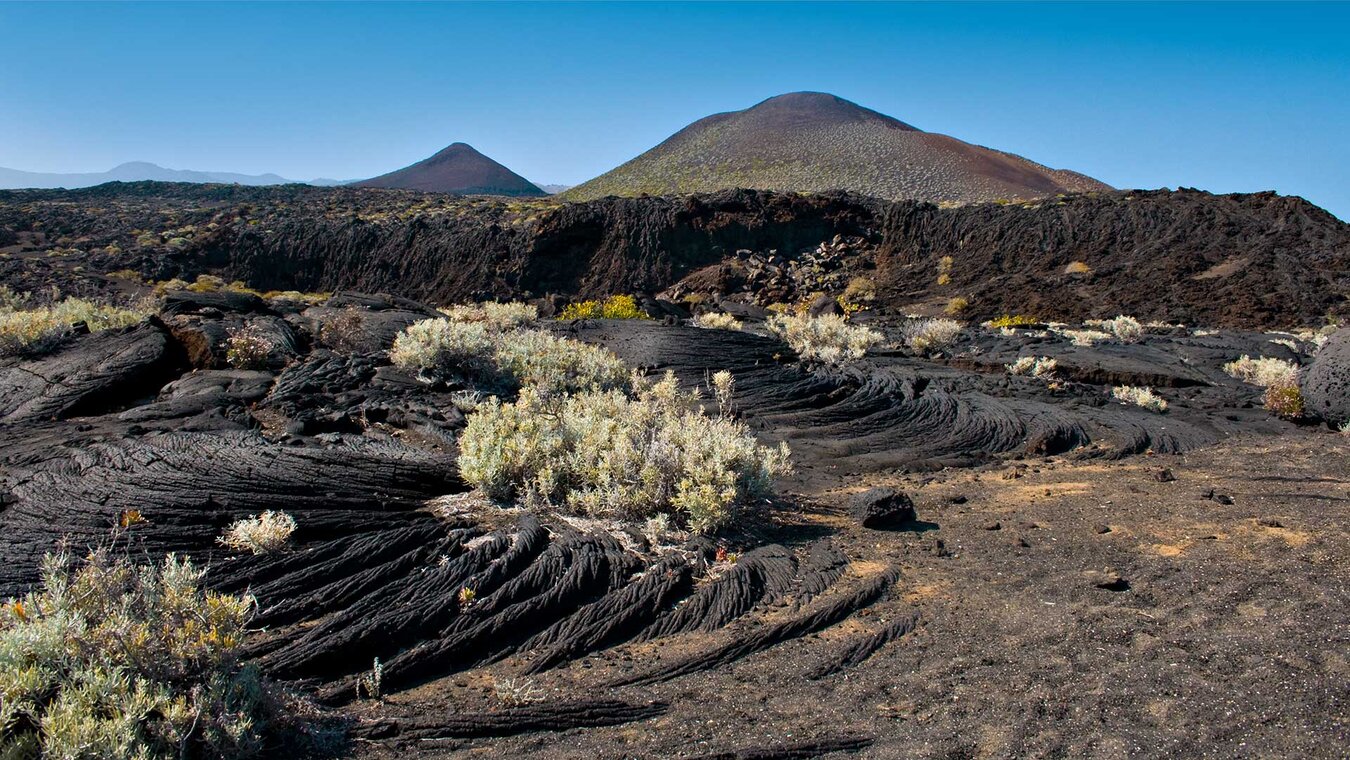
(249, 348)
(1284, 399)
(605, 454)
(1263, 371)
(926, 336)
(1141, 397)
(266, 533)
(827, 339)
(501, 316)
(11, 300)
(310, 299)
(343, 330)
(1077, 267)
(31, 331)
(860, 290)
(517, 691)
(206, 283)
(161, 288)
(1012, 320)
(1033, 366)
(614, 307)
(956, 306)
(1085, 338)
(130, 275)
(716, 320)
(506, 359)
(1122, 328)
(945, 270)
(111, 660)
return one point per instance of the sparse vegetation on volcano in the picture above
(816, 142)
(29, 330)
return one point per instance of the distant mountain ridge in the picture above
(814, 142)
(136, 171)
(458, 168)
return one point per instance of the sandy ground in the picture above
(1066, 610)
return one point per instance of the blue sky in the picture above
(1225, 97)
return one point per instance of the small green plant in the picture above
(1033, 366)
(860, 290)
(370, 682)
(310, 299)
(466, 597)
(501, 316)
(249, 348)
(1122, 328)
(1140, 397)
(11, 300)
(945, 270)
(927, 336)
(1012, 320)
(517, 692)
(266, 533)
(206, 283)
(1085, 338)
(1284, 399)
(161, 288)
(956, 306)
(614, 307)
(1263, 371)
(716, 320)
(827, 339)
(343, 330)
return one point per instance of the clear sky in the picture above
(1225, 97)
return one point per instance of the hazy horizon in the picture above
(1224, 98)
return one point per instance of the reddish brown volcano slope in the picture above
(813, 142)
(457, 169)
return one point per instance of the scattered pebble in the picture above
(1108, 579)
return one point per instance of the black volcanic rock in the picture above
(882, 508)
(814, 142)
(1242, 260)
(1326, 387)
(457, 169)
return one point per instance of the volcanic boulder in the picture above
(1326, 387)
(882, 509)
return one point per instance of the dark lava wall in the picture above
(1257, 260)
